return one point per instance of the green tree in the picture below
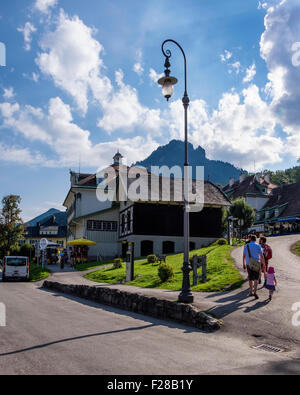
(241, 210)
(11, 227)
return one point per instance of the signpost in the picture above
(43, 245)
(199, 261)
(130, 262)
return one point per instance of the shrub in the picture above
(117, 263)
(222, 242)
(151, 258)
(165, 272)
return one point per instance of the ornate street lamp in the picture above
(168, 83)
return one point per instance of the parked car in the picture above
(15, 267)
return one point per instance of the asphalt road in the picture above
(49, 333)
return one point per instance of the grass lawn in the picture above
(81, 267)
(296, 248)
(37, 273)
(221, 272)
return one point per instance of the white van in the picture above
(16, 267)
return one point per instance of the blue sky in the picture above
(79, 83)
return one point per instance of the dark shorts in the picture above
(252, 275)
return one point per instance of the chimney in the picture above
(242, 177)
(231, 181)
(73, 178)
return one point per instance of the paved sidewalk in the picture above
(243, 316)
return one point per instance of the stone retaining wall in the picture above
(137, 303)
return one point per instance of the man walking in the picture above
(255, 252)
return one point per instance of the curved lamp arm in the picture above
(167, 53)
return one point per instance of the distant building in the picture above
(281, 214)
(51, 225)
(256, 189)
(154, 227)
(277, 208)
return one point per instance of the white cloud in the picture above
(262, 5)
(71, 56)
(226, 56)
(124, 111)
(8, 109)
(44, 5)
(138, 68)
(8, 93)
(282, 30)
(22, 156)
(154, 76)
(35, 77)
(236, 67)
(250, 73)
(27, 32)
(240, 131)
(69, 142)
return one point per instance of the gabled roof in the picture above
(174, 188)
(288, 195)
(58, 219)
(42, 217)
(213, 195)
(249, 186)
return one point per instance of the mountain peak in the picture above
(172, 154)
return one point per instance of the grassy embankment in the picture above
(221, 272)
(296, 248)
(37, 273)
(81, 267)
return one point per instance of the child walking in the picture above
(271, 281)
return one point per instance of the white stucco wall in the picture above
(89, 202)
(108, 244)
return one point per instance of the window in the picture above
(267, 214)
(102, 226)
(126, 222)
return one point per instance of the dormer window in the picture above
(267, 214)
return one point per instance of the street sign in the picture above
(43, 244)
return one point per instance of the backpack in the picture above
(254, 264)
(268, 252)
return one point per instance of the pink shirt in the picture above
(270, 279)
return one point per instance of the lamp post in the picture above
(167, 83)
